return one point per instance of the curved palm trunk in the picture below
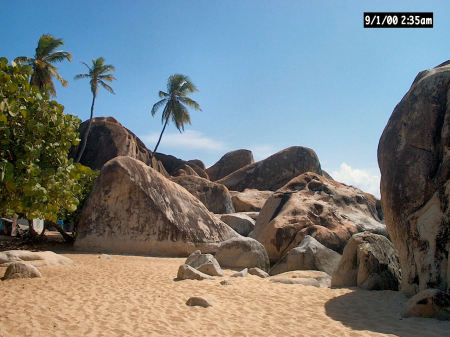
(160, 136)
(86, 134)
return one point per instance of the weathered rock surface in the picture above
(327, 175)
(242, 273)
(230, 162)
(428, 303)
(249, 200)
(212, 269)
(314, 278)
(414, 159)
(185, 170)
(253, 215)
(303, 281)
(205, 263)
(242, 252)
(310, 204)
(275, 171)
(241, 223)
(37, 259)
(177, 167)
(21, 270)
(198, 163)
(134, 209)
(186, 272)
(310, 254)
(258, 272)
(199, 301)
(109, 139)
(370, 261)
(214, 196)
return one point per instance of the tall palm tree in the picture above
(98, 73)
(42, 63)
(175, 102)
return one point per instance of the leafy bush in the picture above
(37, 178)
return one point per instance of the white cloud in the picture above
(262, 151)
(190, 139)
(362, 179)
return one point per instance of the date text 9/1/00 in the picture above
(398, 20)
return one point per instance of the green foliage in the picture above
(36, 176)
(98, 75)
(42, 63)
(86, 178)
(175, 103)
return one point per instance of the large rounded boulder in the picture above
(369, 261)
(310, 254)
(249, 200)
(414, 159)
(179, 167)
(310, 204)
(275, 171)
(230, 162)
(134, 209)
(108, 139)
(214, 196)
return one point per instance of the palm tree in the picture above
(98, 75)
(175, 101)
(42, 63)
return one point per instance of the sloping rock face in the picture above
(230, 162)
(178, 167)
(274, 171)
(310, 254)
(249, 200)
(109, 139)
(214, 196)
(134, 209)
(370, 261)
(414, 159)
(310, 204)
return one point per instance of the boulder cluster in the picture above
(284, 213)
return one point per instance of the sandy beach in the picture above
(137, 296)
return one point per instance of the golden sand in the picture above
(137, 296)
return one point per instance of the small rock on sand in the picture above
(37, 259)
(258, 272)
(242, 273)
(21, 270)
(186, 272)
(199, 301)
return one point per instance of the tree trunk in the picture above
(86, 134)
(33, 233)
(160, 136)
(67, 238)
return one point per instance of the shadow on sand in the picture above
(379, 311)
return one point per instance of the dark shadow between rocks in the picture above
(380, 311)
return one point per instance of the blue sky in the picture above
(271, 74)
